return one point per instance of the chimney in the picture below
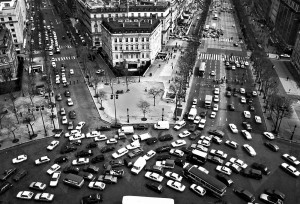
(139, 24)
(123, 25)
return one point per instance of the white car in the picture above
(216, 98)
(290, 169)
(27, 195)
(213, 114)
(216, 107)
(269, 135)
(42, 160)
(72, 71)
(198, 189)
(149, 155)
(112, 141)
(233, 128)
(178, 143)
(246, 63)
(185, 133)
(243, 99)
(194, 101)
(232, 144)
(224, 169)
(291, 159)
(239, 162)
(204, 142)
(53, 64)
(46, 197)
(97, 185)
(242, 90)
(247, 114)
(213, 73)
(77, 136)
(177, 152)
(64, 120)
(93, 134)
(202, 123)
(208, 138)
(246, 134)
(53, 168)
(179, 125)
(257, 119)
(217, 91)
(80, 161)
(197, 119)
(135, 144)
(63, 111)
(120, 152)
(100, 138)
(154, 176)
(19, 159)
(173, 176)
(204, 170)
(55, 178)
(70, 102)
(218, 153)
(176, 185)
(250, 150)
(254, 93)
(80, 125)
(58, 134)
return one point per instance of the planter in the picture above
(144, 119)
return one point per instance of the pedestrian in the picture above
(287, 78)
(5, 99)
(77, 81)
(289, 90)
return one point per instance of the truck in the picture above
(162, 125)
(126, 130)
(192, 114)
(208, 101)
(141, 137)
(138, 165)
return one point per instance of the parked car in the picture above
(55, 178)
(162, 149)
(155, 187)
(71, 169)
(7, 173)
(20, 174)
(270, 199)
(272, 146)
(46, 197)
(61, 159)
(92, 198)
(27, 195)
(84, 153)
(19, 159)
(39, 186)
(176, 185)
(166, 137)
(225, 179)
(97, 159)
(244, 194)
(42, 160)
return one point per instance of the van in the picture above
(74, 180)
(138, 165)
(141, 137)
(162, 125)
(126, 130)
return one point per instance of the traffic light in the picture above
(111, 96)
(117, 96)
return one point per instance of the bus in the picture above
(215, 16)
(207, 181)
(202, 68)
(146, 200)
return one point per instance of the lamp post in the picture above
(28, 130)
(127, 115)
(40, 108)
(162, 115)
(114, 96)
(293, 132)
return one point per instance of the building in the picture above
(91, 13)
(273, 12)
(263, 8)
(131, 43)
(13, 16)
(8, 56)
(295, 58)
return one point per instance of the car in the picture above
(141, 126)
(215, 107)
(166, 137)
(246, 134)
(225, 179)
(204, 142)
(213, 73)
(46, 197)
(257, 119)
(100, 138)
(179, 125)
(174, 176)
(107, 149)
(149, 155)
(228, 94)
(71, 71)
(104, 128)
(135, 152)
(244, 194)
(100, 71)
(109, 179)
(194, 101)
(275, 193)
(199, 147)
(70, 125)
(37, 186)
(247, 114)
(97, 159)
(92, 145)
(85, 153)
(80, 125)
(217, 140)
(93, 134)
(42, 160)
(217, 91)
(232, 144)
(154, 176)
(269, 135)
(233, 128)
(247, 126)
(216, 132)
(58, 97)
(184, 134)
(197, 119)
(71, 169)
(77, 136)
(92, 198)
(242, 91)
(62, 111)
(224, 169)
(202, 123)
(213, 114)
(19, 159)
(218, 153)
(272, 146)
(55, 178)
(27, 195)
(215, 159)
(231, 107)
(53, 168)
(234, 167)
(135, 144)
(155, 187)
(165, 148)
(151, 140)
(61, 159)
(216, 98)
(115, 163)
(290, 169)
(239, 162)
(68, 148)
(176, 185)
(120, 152)
(67, 93)
(20, 174)
(176, 152)
(251, 108)
(111, 141)
(70, 102)
(52, 145)
(98, 185)
(254, 93)
(261, 167)
(203, 114)
(58, 133)
(198, 189)
(270, 199)
(80, 161)
(243, 99)
(291, 159)
(72, 114)
(178, 143)
(249, 149)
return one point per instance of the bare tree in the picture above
(154, 92)
(144, 106)
(3, 113)
(176, 88)
(28, 119)
(101, 96)
(12, 128)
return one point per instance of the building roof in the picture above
(131, 26)
(161, 7)
(4, 36)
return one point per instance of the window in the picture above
(102, 15)
(126, 40)
(2, 19)
(147, 39)
(143, 47)
(95, 16)
(120, 39)
(116, 48)
(139, 14)
(117, 15)
(131, 56)
(121, 47)
(132, 14)
(109, 15)
(12, 30)
(14, 35)
(121, 56)
(131, 47)
(147, 46)
(142, 55)
(117, 56)
(123, 14)
(131, 39)
(10, 18)
(136, 47)
(142, 39)
(147, 55)
(136, 55)
(136, 39)
(15, 41)
(126, 47)
(145, 14)
(11, 24)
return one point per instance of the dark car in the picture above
(192, 127)
(135, 152)
(215, 159)
(275, 193)
(128, 162)
(92, 199)
(195, 135)
(141, 127)
(203, 114)
(231, 107)
(104, 128)
(155, 187)
(161, 149)
(228, 88)
(67, 93)
(228, 94)
(7, 173)
(5, 186)
(225, 179)
(76, 142)
(179, 162)
(97, 159)
(247, 126)
(272, 146)
(186, 150)
(116, 163)
(85, 153)
(61, 159)
(67, 149)
(151, 141)
(248, 94)
(252, 173)
(263, 168)
(250, 101)
(155, 169)
(251, 108)
(109, 179)
(218, 133)
(244, 194)
(92, 145)
(20, 174)
(116, 125)
(91, 169)
(166, 137)
(107, 149)
(86, 176)
(163, 157)
(71, 170)
(72, 114)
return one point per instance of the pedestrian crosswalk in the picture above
(208, 56)
(219, 39)
(65, 46)
(57, 59)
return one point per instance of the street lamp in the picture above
(293, 132)
(127, 115)
(40, 108)
(162, 115)
(114, 96)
